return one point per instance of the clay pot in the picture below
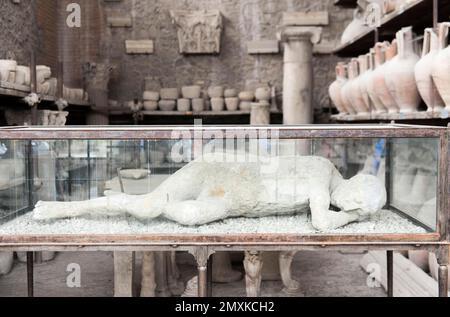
(263, 93)
(355, 28)
(232, 104)
(183, 105)
(425, 84)
(167, 105)
(169, 93)
(198, 105)
(441, 66)
(217, 104)
(355, 90)
(150, 96)
(384, 54)
(336, 87)
(150, 105)
(370, 82)
(23, 75)
(230, 93)
(247, 96)
(191, 92)
(215, 92)
(245, 105)
(400, 75)
(260, 113)
(7, 68)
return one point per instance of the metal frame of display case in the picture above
(203, 246)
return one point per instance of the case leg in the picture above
(390, 273)
(443, 281)
(124, 274)
(253, 273)
(30, 274)
(210, 276)
(202, 255)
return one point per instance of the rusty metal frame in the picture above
(202, 246)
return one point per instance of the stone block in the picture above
(139, 47)
(305, 18)
(263, 47)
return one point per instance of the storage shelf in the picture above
(418, 14)
(419, 115)
(20, 91)
(188, 114)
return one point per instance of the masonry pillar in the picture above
(298, 73)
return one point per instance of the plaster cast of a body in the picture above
(211, 189)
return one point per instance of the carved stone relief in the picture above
(199, 32)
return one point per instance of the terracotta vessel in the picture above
(389, 6)
(441, 65)
(400, 75)
(22, 75)
(355, 28)
(425, 83)
(346, 89)
(384, 54)
(355, 90)
(336, 87)
(7, 70)
(371, 84)
(364, 68)
(345, 100)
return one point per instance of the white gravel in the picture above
(385, 222)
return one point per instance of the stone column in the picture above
(298, 73)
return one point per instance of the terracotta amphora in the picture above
(346, 90)
(364, 68)
(400, 75)
(384, 54)
(377, 104)
(336, 87)
(441, 66)
(355, 90)
(425, 83)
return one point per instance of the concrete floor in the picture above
(325, 274)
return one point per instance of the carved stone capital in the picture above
(199, 32)
(300, 33)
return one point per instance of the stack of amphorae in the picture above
(393, 78)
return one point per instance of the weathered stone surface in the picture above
(139, 47)
(305, 18)
(263, 47)
(120, 21)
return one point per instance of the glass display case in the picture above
(365, 183)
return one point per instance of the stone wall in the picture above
(18, 32)
(244, 21)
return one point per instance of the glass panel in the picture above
(13, 179)
(415, 177)
(241, 185)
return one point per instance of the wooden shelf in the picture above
(20, 91)
(418, 14)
